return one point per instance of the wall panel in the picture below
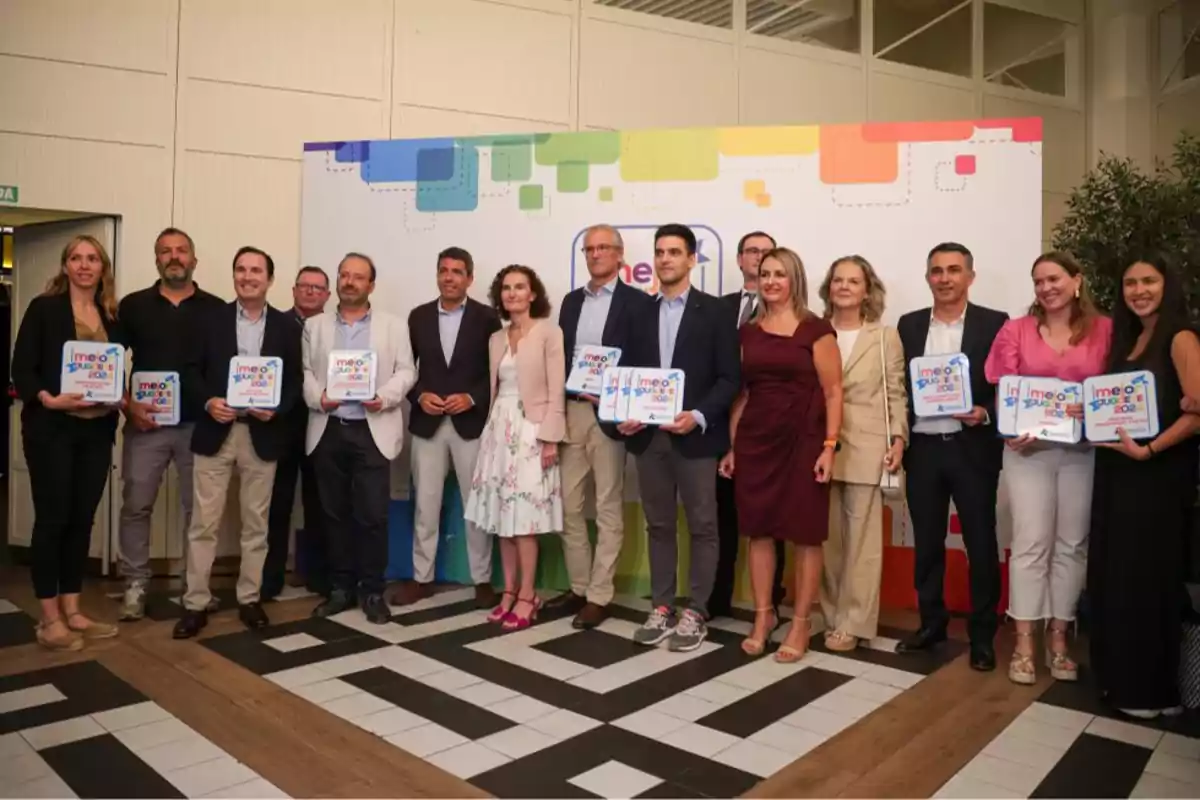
(128, 34)
(780, 89)
(897, 98)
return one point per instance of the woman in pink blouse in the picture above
(1049, 485)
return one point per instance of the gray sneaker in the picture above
(133, 604)
(658, 626)
(689, 633)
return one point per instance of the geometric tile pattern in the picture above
(79, 731)
(555, 712)
(16, 627)
(1070, 744)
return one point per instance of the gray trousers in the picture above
(144, 461)
(662, 472)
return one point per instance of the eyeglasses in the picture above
(756, 251)
(311, 288)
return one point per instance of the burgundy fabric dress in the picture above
(780, 436)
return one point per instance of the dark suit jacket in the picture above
(467, 371)
(980, 327)
(208, 376)
(625, 314)
(48, 324)
(708, 351)
(734, 301)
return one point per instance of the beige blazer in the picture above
(864, 434)
(389, 340)
(541, 376)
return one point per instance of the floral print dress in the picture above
(511, 495)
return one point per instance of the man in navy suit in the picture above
(697, 333)
(602, 312)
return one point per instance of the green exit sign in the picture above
(9, 194)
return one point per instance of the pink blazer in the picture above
(541, 376)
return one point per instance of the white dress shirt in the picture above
(944, 338)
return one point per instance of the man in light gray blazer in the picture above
(353, 443)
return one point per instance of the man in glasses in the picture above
(309, 296)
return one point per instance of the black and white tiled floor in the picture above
(16, 627)
(79, 731)
(1069, 744)
(555, 712)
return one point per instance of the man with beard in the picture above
(158, 322)
(353, 443)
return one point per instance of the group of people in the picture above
(793, 425)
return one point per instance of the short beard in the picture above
(176, 282)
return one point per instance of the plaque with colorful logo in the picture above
(610, 396)
(160, 391)
(1125, 400)
(588, 366)
(648, 396)
(95, 370)
(254, 382)
(1008, 394)
(351, 375)
(1042, 410)
(941, 385)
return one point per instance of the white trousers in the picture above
(1050, 492)
(431, 459)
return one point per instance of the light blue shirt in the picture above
(250, 331)
(670, 315)
(449, 323)
(351, 336)
(594, 314)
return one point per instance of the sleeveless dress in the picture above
(511, 495)
(1141, 517)
(780, 436)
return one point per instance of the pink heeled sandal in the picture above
(500, 613)
(515, 622)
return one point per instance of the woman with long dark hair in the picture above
(1142, 503)
(67, 440)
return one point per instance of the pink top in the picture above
(1020, 350)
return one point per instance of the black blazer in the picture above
(980, 327)
(207, 369)
(48, 324)
(625, 314)
(468, 370)
(734, 300)
(708, 351)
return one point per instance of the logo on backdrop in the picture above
(637, 267)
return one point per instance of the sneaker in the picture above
(133, 603)
(658, 626)
(689, 633)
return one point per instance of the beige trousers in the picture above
(585, 452)
(853, 559)
(431, 460)
(210, 482)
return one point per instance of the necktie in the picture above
(747, 310)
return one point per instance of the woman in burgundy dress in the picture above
(784, 428)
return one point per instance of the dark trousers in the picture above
(291, 464)
(727, 531)
(355, 489)
(68, 463)
(941, 468)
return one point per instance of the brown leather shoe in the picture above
(589, 617)
(410, 592)
(567, 602)
(485, 596)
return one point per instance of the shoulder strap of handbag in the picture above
(887, 412)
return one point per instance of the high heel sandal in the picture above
(1020, 667)
(515, 622)
(1062, 667)
(787, 654)
(755, 647)
(93, 629)
(500, 611)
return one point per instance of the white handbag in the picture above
(890, 483)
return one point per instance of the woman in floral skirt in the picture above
(516, 492)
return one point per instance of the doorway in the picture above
(33, 248)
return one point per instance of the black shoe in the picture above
(339, 600)
(190, 624)
(376, 609)
(924, 639)
(568, 602)
(253, 616)
(983, 656)
(589, 617)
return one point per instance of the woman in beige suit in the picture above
(516, 490)
(854, 300)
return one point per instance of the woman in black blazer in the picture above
(67, 441)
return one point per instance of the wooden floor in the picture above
(907, 748)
